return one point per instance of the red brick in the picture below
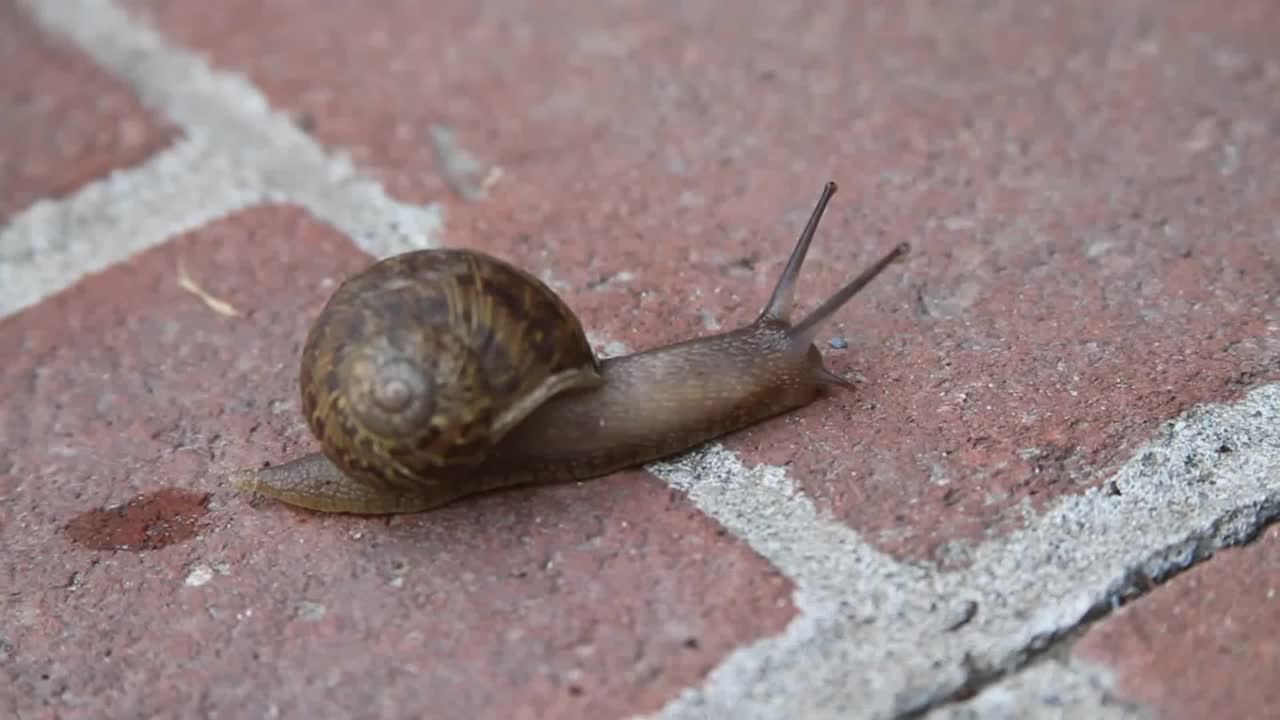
(1089, 188)
(65, 121)
(591, 600)
(1206, 643)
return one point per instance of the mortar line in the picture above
(267, 155)
(53, 243)
(1181, 499)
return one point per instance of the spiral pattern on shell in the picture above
(419, 363)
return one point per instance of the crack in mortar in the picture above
(1234, 527)
(1234, 530)
(873, 640)
(1059, 687)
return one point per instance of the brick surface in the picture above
(65, 122)
(137, 582)
(1205, 644)
(1089, 188)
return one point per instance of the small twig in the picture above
(222, 307)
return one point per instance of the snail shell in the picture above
(425, 360)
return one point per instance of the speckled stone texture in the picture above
(64, 121)
(1090, 188)
(128, 398)
(1092, 195)
(1206, 644)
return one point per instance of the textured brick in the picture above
(1089, 188)
(65, 122)
(1205, 644)
(128, 398)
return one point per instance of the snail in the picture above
(438, 374)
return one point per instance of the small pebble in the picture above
(838, 343)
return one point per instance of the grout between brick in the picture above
(51, 244)
(260, 152)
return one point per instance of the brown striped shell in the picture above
(422, 361)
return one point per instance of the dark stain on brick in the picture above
(147, 522)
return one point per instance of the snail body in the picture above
(439, 374)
